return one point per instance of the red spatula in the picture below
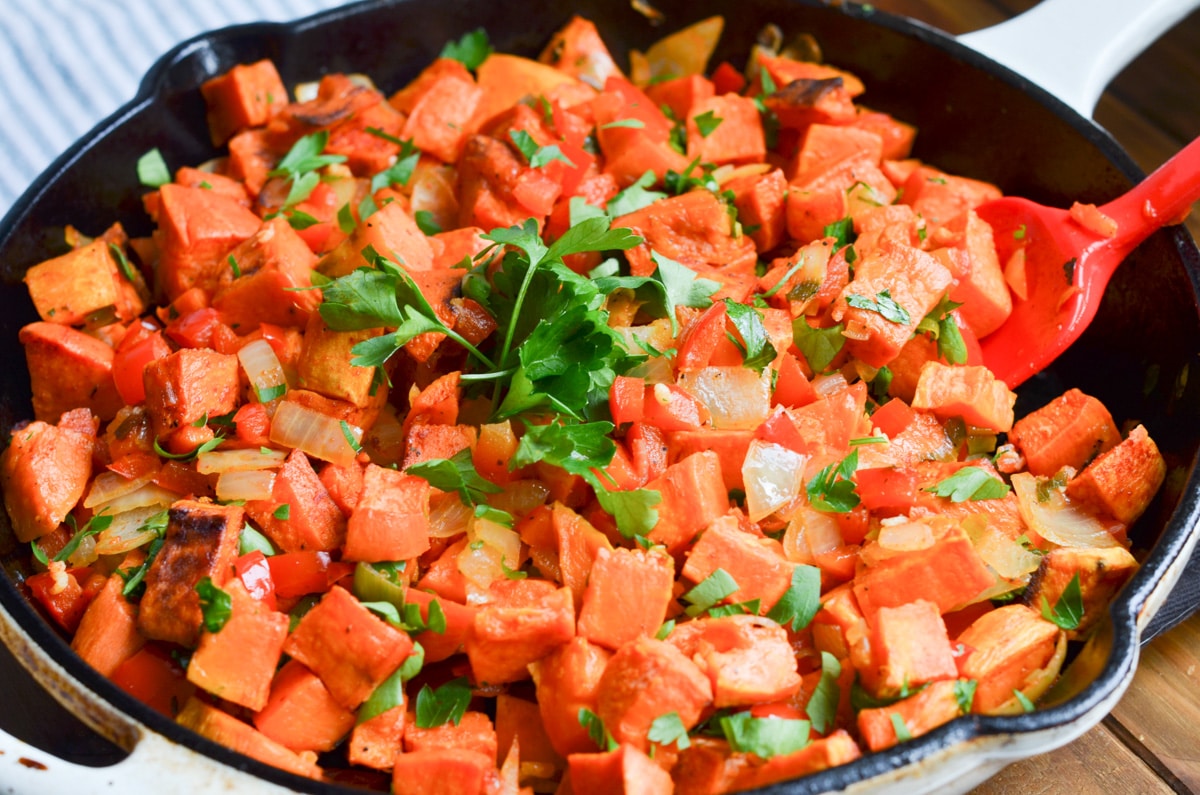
(1067, 265)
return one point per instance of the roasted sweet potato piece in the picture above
(474, 732)
(1122, 481)
(526, 620)
(71, 288)
(369, 650)
(939, 196)
(748, 660)
(201, 541)
(756, 564)
(392, 232)
(627, 595)
(645, 679)
(693, 496)
(275, 265)
(623, 771)
(188, 385)
(391, 519)
(973, 393)
(245, 96)
(224, 729)
(199, 228)
(441, 118)
(568, 680)
(107, 635)
(694, 229)
(1101, 572)
(821, 754)
(761, 209)
(919, 714)
(908, 647)
(44, 471)
(68, 369)
(1070, 430)
(1007, 645)
(377, 741)
(738, 136)
(577, 50)
(239, 662)
(325, 367)
(979, 281)
(441, 770)
(313, 521)
(301, 714)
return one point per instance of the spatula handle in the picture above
(1159, 199)
(1074, 48)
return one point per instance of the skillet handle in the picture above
(1073, 48)
(154, 761)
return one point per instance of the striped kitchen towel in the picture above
(67, 64)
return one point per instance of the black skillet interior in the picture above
(974, 118)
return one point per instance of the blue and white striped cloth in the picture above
(67, 64)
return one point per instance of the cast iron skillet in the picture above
(974, 118)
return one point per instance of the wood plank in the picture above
(1095, 764)
(1160, 710)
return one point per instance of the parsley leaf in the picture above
(970, 483)
(755, 345)
(881, 304)
(283, 512)
(823, 703)
(97, 524)
(471, 50)
(1068, 610)
(802, 599)
(964, 694)
(633, 510)
(250, 540)
(832, 490)
(764, 737)
(575, 447)
(456, 474)
(635, 197)
(426, 222)
(447, 704)
(707, 123)
(712, 589)
(842, 232)
(215, 604)
(595, 728)
(898, 726)
(668, 729)
(305, 157)
(635, 124)
(537, 156)
(1024, 701)
(672, 285)
(820, 346)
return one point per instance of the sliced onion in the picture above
(147, 496)
(219, 461)
(264, 371)
(1058, 520)
(448, 516)
(502, 538)
(108, 486)
(826, 385)
(85, 553)
(127, 531)
(492, 548)
(1006, 557)
(521, 496)
(314, 433)
(1037, 682)
(253, 484)
(905, 535)
(736, 397)
(773, 475)
(810, 533)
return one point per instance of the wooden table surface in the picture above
(1151, 741)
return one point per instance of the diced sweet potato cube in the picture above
(275, 264)
(224, 729)
(301, 713)
(909, 647)
(1070, 430)
(568, 680)
(756, 564)
(377, 741)
(627, 595)
(939, 196)
(313, 520)
(981, 289)
(519, 720)
(245, 96)
(950, 573)
(761, 208)
(737, 138)
(199, 228)
(694, 229)
(324, 366)
(912, 279)
(578, 50)
(188, 385)
(436, 771)
(1008, 644)
(920, 714)
(826, 146)
(428, 442)
(693, 497)
(391, 519)
(474, 732)
(201, 541)
(1122, 481)
(973, 393)
(368, 651)
(440, 120)
(238, 663)
(821, 754)
(44, 471)
(392, 232)
(107, 635)
(69, 288)
(623, 771)
(644, 680)
(459, 618)
(747, 660)
(507, 79)
(1101, 572)
(68, 369)
(527, 620)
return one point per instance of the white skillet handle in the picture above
(1073, 48)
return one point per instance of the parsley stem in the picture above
(470, 348)
(492, 376)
